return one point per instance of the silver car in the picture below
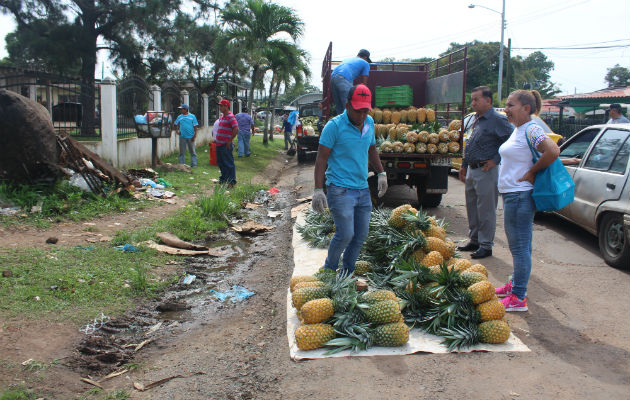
(597, 159)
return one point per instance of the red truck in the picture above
(440, 85)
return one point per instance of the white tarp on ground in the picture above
(308, 260)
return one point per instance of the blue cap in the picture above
(184, 106)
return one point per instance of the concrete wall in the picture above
(137, 152)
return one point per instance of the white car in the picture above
(262, 114)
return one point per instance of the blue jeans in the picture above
(225, 161)
(243, 144)
(350, 209)
(518, 219)
(183, 144)
(340, 88)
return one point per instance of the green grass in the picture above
(75, 284)
(18, 393)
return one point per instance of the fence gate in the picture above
(133, 97)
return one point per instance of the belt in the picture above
(476, 165)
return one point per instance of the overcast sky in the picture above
(413, 29)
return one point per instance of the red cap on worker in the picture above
(360, 97)
(224, 102)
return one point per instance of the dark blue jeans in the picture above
(518, 220)
(351, 210)
(340, 87)
(225, 161)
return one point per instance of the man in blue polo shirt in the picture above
(187, 124)
(343, 76)
(346, 146)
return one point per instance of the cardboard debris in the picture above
(185, 252)
(173, 241)
(251, 228)
(252, 206)
(304, 199)
(274, 214)
(295, 211)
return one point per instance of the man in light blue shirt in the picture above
(346, 146)
(245, 130)
(187, 124)
(616, 117)
(343, 76)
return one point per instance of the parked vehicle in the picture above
(438, 85)
(262, 114)
(602, 190)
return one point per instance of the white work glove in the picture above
(319, 203)
(382, 184)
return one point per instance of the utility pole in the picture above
(501, 51)
(507, 69)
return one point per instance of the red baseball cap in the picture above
(224, 102)
(360, 97)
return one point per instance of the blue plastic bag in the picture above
(237, 293)
(140, 119)
(553, 187)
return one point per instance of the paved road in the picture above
(577, 328)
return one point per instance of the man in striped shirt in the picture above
(228, 129)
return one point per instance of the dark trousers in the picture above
(225, 161)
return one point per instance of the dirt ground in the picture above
(577, 328)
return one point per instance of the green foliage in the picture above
(617, 76)
(218, 205)
(17, 394)
(318, 228)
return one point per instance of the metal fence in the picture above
(567, 127)
(74, 107)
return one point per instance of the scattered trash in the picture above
(188, 279)
(147, 182)
(171, 240)
(79, 181)
(172, 306)
(36, 209)
(36, 298)
(87, 248)
(154, 328)
(274, 214)
(91, 382)
(127, 248)
(28, 362)
(52, 240)
(54, 287)
(163, 182)
(295, 211)
(252, 206)
(95, 325)
(273, 190)
(184, 252)
(142, 173)
(8, 211)
(237, 293)
(251, 228)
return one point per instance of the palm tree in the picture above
(256, 25)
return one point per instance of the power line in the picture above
(573, 48)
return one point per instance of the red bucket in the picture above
(213, 153)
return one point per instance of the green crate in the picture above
(393, 96)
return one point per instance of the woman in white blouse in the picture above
(517, 173)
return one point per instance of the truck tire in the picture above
(373, 185)
(428, 199)
(301, 156)
(613, 244)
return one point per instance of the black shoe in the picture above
(469, 247)
(481, 253)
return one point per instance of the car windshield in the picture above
(577, 146)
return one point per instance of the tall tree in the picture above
(617, 76)
(258, 25)
(76, 25)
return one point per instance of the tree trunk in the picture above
(88, 63)
(269, 119)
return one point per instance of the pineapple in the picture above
(443, 135)
(437, 244)
(396, 219)
(434, 138)
(401, 132)
(481, 292)
(301, 278)
(409, 148)
(478, 268)
(306, 294)
(383, 312)
(435, 270)
(470, 278)
(421, 115)
(423, 137)
(451, 247)
(378, 116)
(412, 115)
(431, 148)
(308, 284)
(455, 125)
(453, 136)
(395, 117)
(453, 147)
(436, 231)
(362, 267)
(494, 331)
(419, 255)
(491, 310)
(442, 148)
(433, 258)
(392, 134)
(412, 137)
(387, 116)
(421, 147)
(462, 264)
(386, 147)
(310, 337)
(397, 147)
(378, 295)
(403, 116)
(391, 335)
(316, 311)
(430, 115)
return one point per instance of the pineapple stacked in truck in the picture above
(414, 130)
(408, 255)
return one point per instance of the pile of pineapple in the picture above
(329, 306)
(406, 254)
(414, 130)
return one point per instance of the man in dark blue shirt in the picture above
(480, 173)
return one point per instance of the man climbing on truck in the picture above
(343, 76)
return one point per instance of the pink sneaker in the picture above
(504, 290)
(512, 303)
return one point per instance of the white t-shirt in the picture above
(516, 158)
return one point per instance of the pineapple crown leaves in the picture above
(355, 337)
(317, 228)
(416, 220)
(461, 336)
